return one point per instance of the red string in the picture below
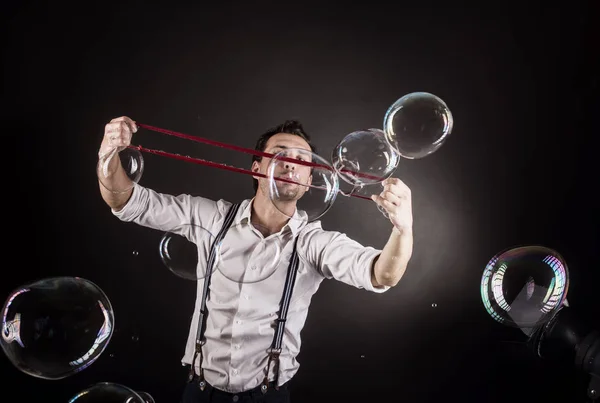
(201, 161)
(241, 149)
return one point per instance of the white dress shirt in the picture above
(242, 314)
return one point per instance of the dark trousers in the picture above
(210, 394)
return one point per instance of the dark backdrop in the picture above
(519, 168)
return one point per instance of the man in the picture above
(239, 324)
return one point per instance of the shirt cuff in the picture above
(131, 209)
(368, 284)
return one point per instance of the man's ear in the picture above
(255, 168)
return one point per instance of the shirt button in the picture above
(239, 322)
(235, 371)
(237, 346)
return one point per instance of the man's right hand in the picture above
(115, 185)
(117, 136)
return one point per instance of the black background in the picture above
(519, 168)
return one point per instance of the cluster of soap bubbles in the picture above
(58, 326)
(414, 126)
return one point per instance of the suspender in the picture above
(275, 349)
(200, 340)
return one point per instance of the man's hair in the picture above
(289, 127)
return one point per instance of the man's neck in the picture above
(265, 214)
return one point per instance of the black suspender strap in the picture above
(200, 340)
(275, 349)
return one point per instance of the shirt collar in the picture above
(294, 224)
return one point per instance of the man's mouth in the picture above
(290, 176)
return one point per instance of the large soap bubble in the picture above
(185, 250)
(249, 253)
(107, 392)
(417, 124)
(364, 157)
(302, 185)
(132, 163)
(524, 286)
(56, 327)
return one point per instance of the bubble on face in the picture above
(302, 184)
(417, 124)
(107, 392)
(56, 327)
(364, 157)
(132, 163)
(185, 250)
(524, 286)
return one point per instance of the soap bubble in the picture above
(106, 392)
(524, 286)
(132, 163)
(417, 124)
(56, 327)
(364, 157)
(302, 179)
(249, 253)
(147, 397)
(185, 250)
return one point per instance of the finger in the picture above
(398, 190)
(387, 205)
(391, 197)
(112, 128)
(130, 122)
(395, 182)
(381, 201)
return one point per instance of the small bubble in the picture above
(434, 305)
(112, 356)
(362, 356)
(135, 253)
(135, 338)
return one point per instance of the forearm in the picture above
(113, 185)
(391, 264)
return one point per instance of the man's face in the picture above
(290, 146)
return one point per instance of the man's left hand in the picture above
(395, 199)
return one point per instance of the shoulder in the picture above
(313, 235)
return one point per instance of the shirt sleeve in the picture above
(167, 212)
(337, 256)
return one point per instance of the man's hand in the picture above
(395, 199)
(117, 136)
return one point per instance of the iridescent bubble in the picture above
(249, 253)
(302, 185)
(132, 164)
(524, 286)
(364, 157)
(185, 250)
(417, 124)
(107, 392)
(56, 327)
